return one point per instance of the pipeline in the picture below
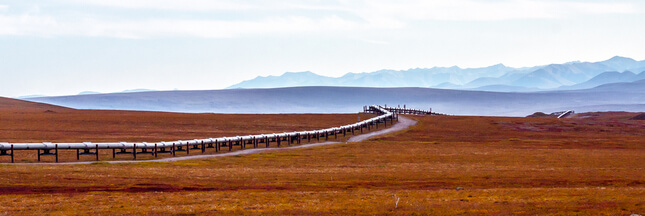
(384, 114)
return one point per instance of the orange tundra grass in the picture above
(445, 165)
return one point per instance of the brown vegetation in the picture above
(540, 115)
(444, 165)
(638, 117)
(34, 122)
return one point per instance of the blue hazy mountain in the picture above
(617, 97)
(417, 77)
(607, 78)
(137, 90)
(505, 88)
(622, 87)
(557, 75)
(30, 96)
(497, 77)
(88, 93)
(289, 79)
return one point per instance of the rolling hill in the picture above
(607, 78)
(350, 99)
(12, 105)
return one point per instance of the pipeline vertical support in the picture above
(11, 153)
(187, 147)
(203, 147)
(113, 153)
(56, 147)
(230, 145)
(155, 150)
(173, 149)
(38, 154)
(134, 151)
(78, 157)
(97, 152)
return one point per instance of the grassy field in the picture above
(35, 122)
(446, 165)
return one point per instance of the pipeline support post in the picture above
(56, 146)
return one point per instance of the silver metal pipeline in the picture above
(383, 115)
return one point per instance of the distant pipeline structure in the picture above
(404, 110)
(563, 114)
(385, 114)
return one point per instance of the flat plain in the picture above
(445, 165)
(35, 122)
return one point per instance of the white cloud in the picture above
(470, 10)
(3, 7)
(195, 5)
(49, 26)
(288, 17)
(380, 42)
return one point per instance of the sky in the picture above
(63, 47)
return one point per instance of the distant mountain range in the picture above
(89, 93)
(572, 75)
(617, 84)
(629, 96)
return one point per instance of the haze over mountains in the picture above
(608, 97)
(89, 93)
(573, 75)
(617, 84)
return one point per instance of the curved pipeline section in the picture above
(383, 116)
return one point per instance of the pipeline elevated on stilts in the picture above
(385, 114)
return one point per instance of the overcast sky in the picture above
(63, 47)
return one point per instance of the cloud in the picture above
(283, 17)
(394, 10)
(380, 42)
(49, 26)
(469, 10)
(190, 5)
